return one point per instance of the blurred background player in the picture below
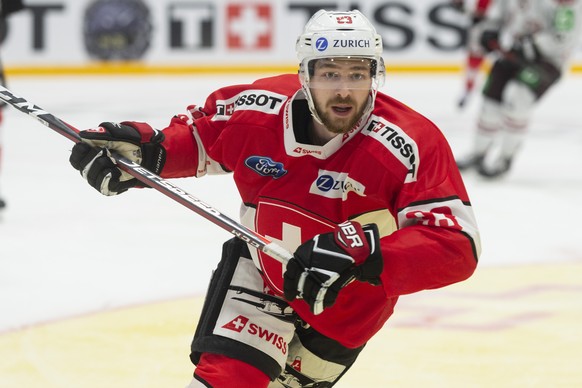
(534, 41)
(6, 8)
(475, 52)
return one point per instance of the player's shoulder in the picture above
(409, 136)
(268, 95)
(417, 150)
(254, 102)
(398, 113)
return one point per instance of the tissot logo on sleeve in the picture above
(402, 146)
(253, 99)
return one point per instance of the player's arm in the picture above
(436, 245)
(190, 137)
(437, 242)
(179, 150)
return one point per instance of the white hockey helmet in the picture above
(333, 34)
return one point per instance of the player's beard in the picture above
(338, 124)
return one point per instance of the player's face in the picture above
(340, 88)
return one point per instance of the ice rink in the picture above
(105, 291)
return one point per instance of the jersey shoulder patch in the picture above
(398, 142)
(257, 100)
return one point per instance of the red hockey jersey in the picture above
(394, 169)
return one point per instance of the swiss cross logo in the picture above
(249, 26)
(375, 126)
(237, 324)
(305, 151)
(225, 109)
(296, 364)
(279, 222)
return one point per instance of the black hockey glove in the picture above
(138, 142)
(322, 266)
(490, 40)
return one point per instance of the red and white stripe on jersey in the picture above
(451, 213)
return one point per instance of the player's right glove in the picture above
(138, 142)
(324, 265)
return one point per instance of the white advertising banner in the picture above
(217, 33)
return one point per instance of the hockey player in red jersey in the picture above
(362, 188)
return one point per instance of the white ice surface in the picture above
(67, 250)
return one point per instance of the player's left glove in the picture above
(324, 265)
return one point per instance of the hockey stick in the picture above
(152, 180)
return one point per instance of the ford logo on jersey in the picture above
(265, 166)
